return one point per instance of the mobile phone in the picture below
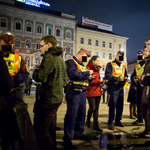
(84, 58)
(139, 57)
(120, 58)
(6, 48)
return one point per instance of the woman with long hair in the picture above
(94, 92)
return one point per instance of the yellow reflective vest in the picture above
(118, 71)
(80, 84)
(139, 70)
(13, 62)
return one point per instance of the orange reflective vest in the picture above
(118, 71)
(13, 63)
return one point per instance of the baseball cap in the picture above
(8, 38)
(121, 52)
(87, 52)
(140, 52)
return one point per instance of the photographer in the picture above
(116, 75)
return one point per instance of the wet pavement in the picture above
(121, 138)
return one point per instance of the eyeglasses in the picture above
(42, 45)
(147, 44)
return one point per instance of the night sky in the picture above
(130, 18)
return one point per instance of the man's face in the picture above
(82, 54)
(3, 43)
(141, 56)
(44, 47)
(146, 52)
(117, 57)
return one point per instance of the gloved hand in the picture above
(120, 78)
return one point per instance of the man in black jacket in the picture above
(145, 106)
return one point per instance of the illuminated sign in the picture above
(97, 24)
(36, 3)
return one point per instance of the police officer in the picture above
(116, 75)
(76, 97)
(138, 71)
(16, 65)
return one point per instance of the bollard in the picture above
(103, 141)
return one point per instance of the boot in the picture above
(131, 112)
(135, 110)
(88, 122)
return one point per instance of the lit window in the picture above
(38, 45)
(68, 49)
(103, 55)
(3, 22)
(103, 44)
(18, 25)
(28, 44)
(28, 27)
(96, 54)
(57, 32)
(48, 30)
(82, 40)
(110, 56)
(96, 43)
(17, 43)
(110, 45)
(68, 34)
(89, 41)
(103, 67)
(39, 29)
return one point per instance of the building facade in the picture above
(29, 26)
(100, 42)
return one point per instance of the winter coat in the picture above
(52, 74)
(94, 88)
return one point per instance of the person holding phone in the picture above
(75, 91)
(116, 75)
(138, 71)
(94, 92)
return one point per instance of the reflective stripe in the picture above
(81, 83)
(118, 71)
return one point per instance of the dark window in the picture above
(89, 41)
(3, 22)
(18, 26)
(39, 29)
(82, 41)
(48, 30)
(57, 32)
(17, 43)
(29, 27)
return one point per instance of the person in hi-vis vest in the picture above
(138, 71)
(16, 65)
(75, 91)
(116, 75)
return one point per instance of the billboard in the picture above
(96, 24)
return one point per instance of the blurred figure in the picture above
(94, 92)
(75, 91)
(138, 71)
(52, 75)
(116, 75)
(132, 98)
(104, 90)
(28, 84)
(145, 105)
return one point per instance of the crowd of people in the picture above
(54, 77)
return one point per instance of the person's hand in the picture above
(142, 77)
(101, 80)
(125, 79)
(91, 72)
(120, 78)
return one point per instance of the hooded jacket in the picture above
(53, 76)
(94, 88)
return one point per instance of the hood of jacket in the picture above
(93, 67)
(55, 51)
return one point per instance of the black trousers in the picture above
(45, 128)
(93, 109)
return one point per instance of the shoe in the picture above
(82, 137)
(58, 128)
(97, 129)
(119, 124)
(144, 134)
(87, 124)
(67, 144)
(111, 127)
(137, 122)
